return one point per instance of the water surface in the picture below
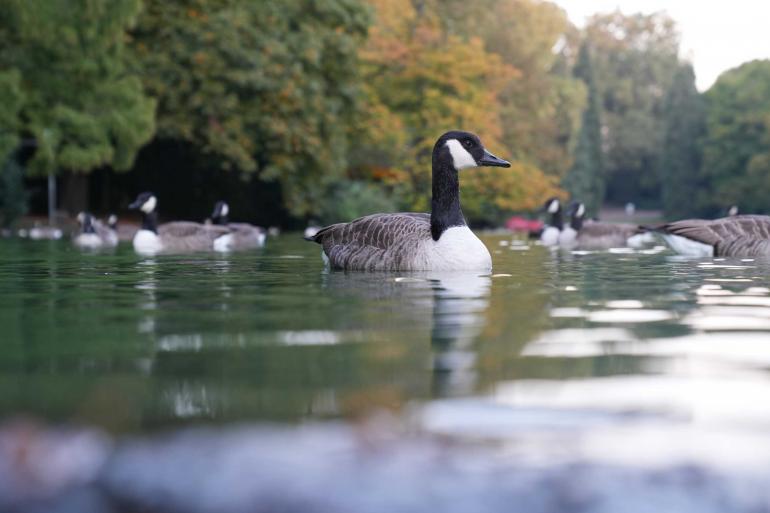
(133, 344)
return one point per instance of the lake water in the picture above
(628, 359)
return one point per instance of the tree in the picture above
(79, 105)
(12, 100)
(585, 180)
(736, 159)
(634, 58)
(421, 80)
(681, 154)
(541, 104)
(265, 87)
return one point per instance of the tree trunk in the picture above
(74, 192)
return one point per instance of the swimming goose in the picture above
(739, 236)
(242, 236)
(552, 229)
(439, 241)
(596, 234)
(87, 236)
(177, 236)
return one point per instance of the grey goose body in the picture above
(734, 236)
(241, 235)
(582, 234)
(93, 234)
(439, 241)
(172, 237)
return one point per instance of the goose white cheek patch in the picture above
(149, 205)
(581, 210)
(460, 156)
(225, 210)
(553, 207)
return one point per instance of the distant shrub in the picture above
(13, 196)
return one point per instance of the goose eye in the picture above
(468, 143)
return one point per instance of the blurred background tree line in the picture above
(328, 109)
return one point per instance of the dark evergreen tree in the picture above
(684, 122)
(585, 179)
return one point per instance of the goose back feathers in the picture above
(410, 241)
(739, 236)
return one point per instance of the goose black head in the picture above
(577, 210)
(221, 210)
(86, 222)
(551, 206)
(464, 150)
(146, 202)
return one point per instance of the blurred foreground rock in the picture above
(335, 468)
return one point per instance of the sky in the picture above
(715, 35)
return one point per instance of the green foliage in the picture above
(635, 58)
(541, 105)
(11, 100)
(265, 86)
(13, 197)
(585, 180)
(736, 159)
(422, 79)
(681, 154)
(80, 107)
(349, 199)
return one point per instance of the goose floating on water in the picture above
(241, 236)
(734, 236)
(553, 227)
(94, 234)
(177, 236)
(439, 241)
(583, 234)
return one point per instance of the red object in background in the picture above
(519, 224)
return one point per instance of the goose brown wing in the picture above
(185, 229)
(722, 231)
(600, 229)
(375, 242)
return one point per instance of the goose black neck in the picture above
(556, 220)
(576, 223)
(445, 203)
(220, 220)
(150, 222)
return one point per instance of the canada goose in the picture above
(178, 236)
(596, 234)
(553, 227)
(40, 232)
(739, 236)
(242, 235)
(411, 241)
(94, 234)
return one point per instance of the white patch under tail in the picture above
(460, 156)
(550, 236)
(688, 247)
(641, 240)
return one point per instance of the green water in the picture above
(135, 344)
